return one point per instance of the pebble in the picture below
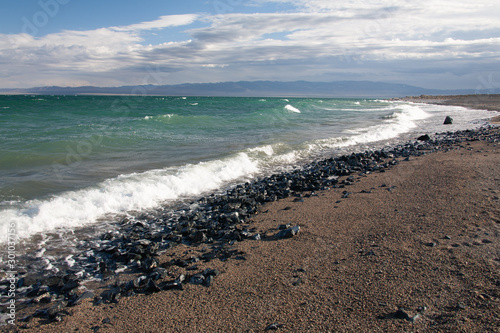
(288, 233)
(274, 327)
(213, 220)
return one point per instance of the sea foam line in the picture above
(126, 193)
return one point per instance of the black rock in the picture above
(132, 284)
(274, 327)
(197, 279)
(53, 310)
(448, 120)
(172, 285)
(401, 314)
(288, 233)
(70, 285)
(346, 194)
(256, 237)
(111, 295)
(211, 272)
(152, 287)
(208, 281)
(424, 137)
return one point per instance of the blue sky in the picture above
(429, 43)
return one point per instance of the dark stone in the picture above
(85, 295)
(158, 273)
(35, 291)
(172, 285)
(132, 284)
(288, 233)
(208, 281)
(53, 310)
(150, 264)
(256, 237)
(424, 137)
(211, 272)
(152, 287)
(448, 120)
(70, 285)
(111, 295)
(274, 327)
(346, 194)
(197, 279)
(401, 314)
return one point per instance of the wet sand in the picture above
(415, 248)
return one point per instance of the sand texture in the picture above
(415, 248)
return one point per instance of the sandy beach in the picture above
(480, 101)
(415, 248)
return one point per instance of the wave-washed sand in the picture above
(412, 249)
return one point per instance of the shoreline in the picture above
(490, 102)
(229, 253)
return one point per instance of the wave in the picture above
(163, 116)
(125, 193)
(402, 120)
(292, 108)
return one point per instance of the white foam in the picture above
(404, 118)
(132, 192)
(267, 149)
(292, 108)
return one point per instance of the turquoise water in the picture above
(68, 161)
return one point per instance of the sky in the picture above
(440, 44)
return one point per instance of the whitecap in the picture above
(292, 108)
(125, 193)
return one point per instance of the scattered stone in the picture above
(274, 327)
(197, 279)
(422, 308)
(424, 137)
(448, 120)
(214, 219)
(85, 295)
(288, 233)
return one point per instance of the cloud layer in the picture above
(431, 43)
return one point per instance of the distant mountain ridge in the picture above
(347, 89)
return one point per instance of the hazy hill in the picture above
(258, 89)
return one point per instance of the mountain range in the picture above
(347, 89)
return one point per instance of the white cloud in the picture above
(161, 23)
(334, 38)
